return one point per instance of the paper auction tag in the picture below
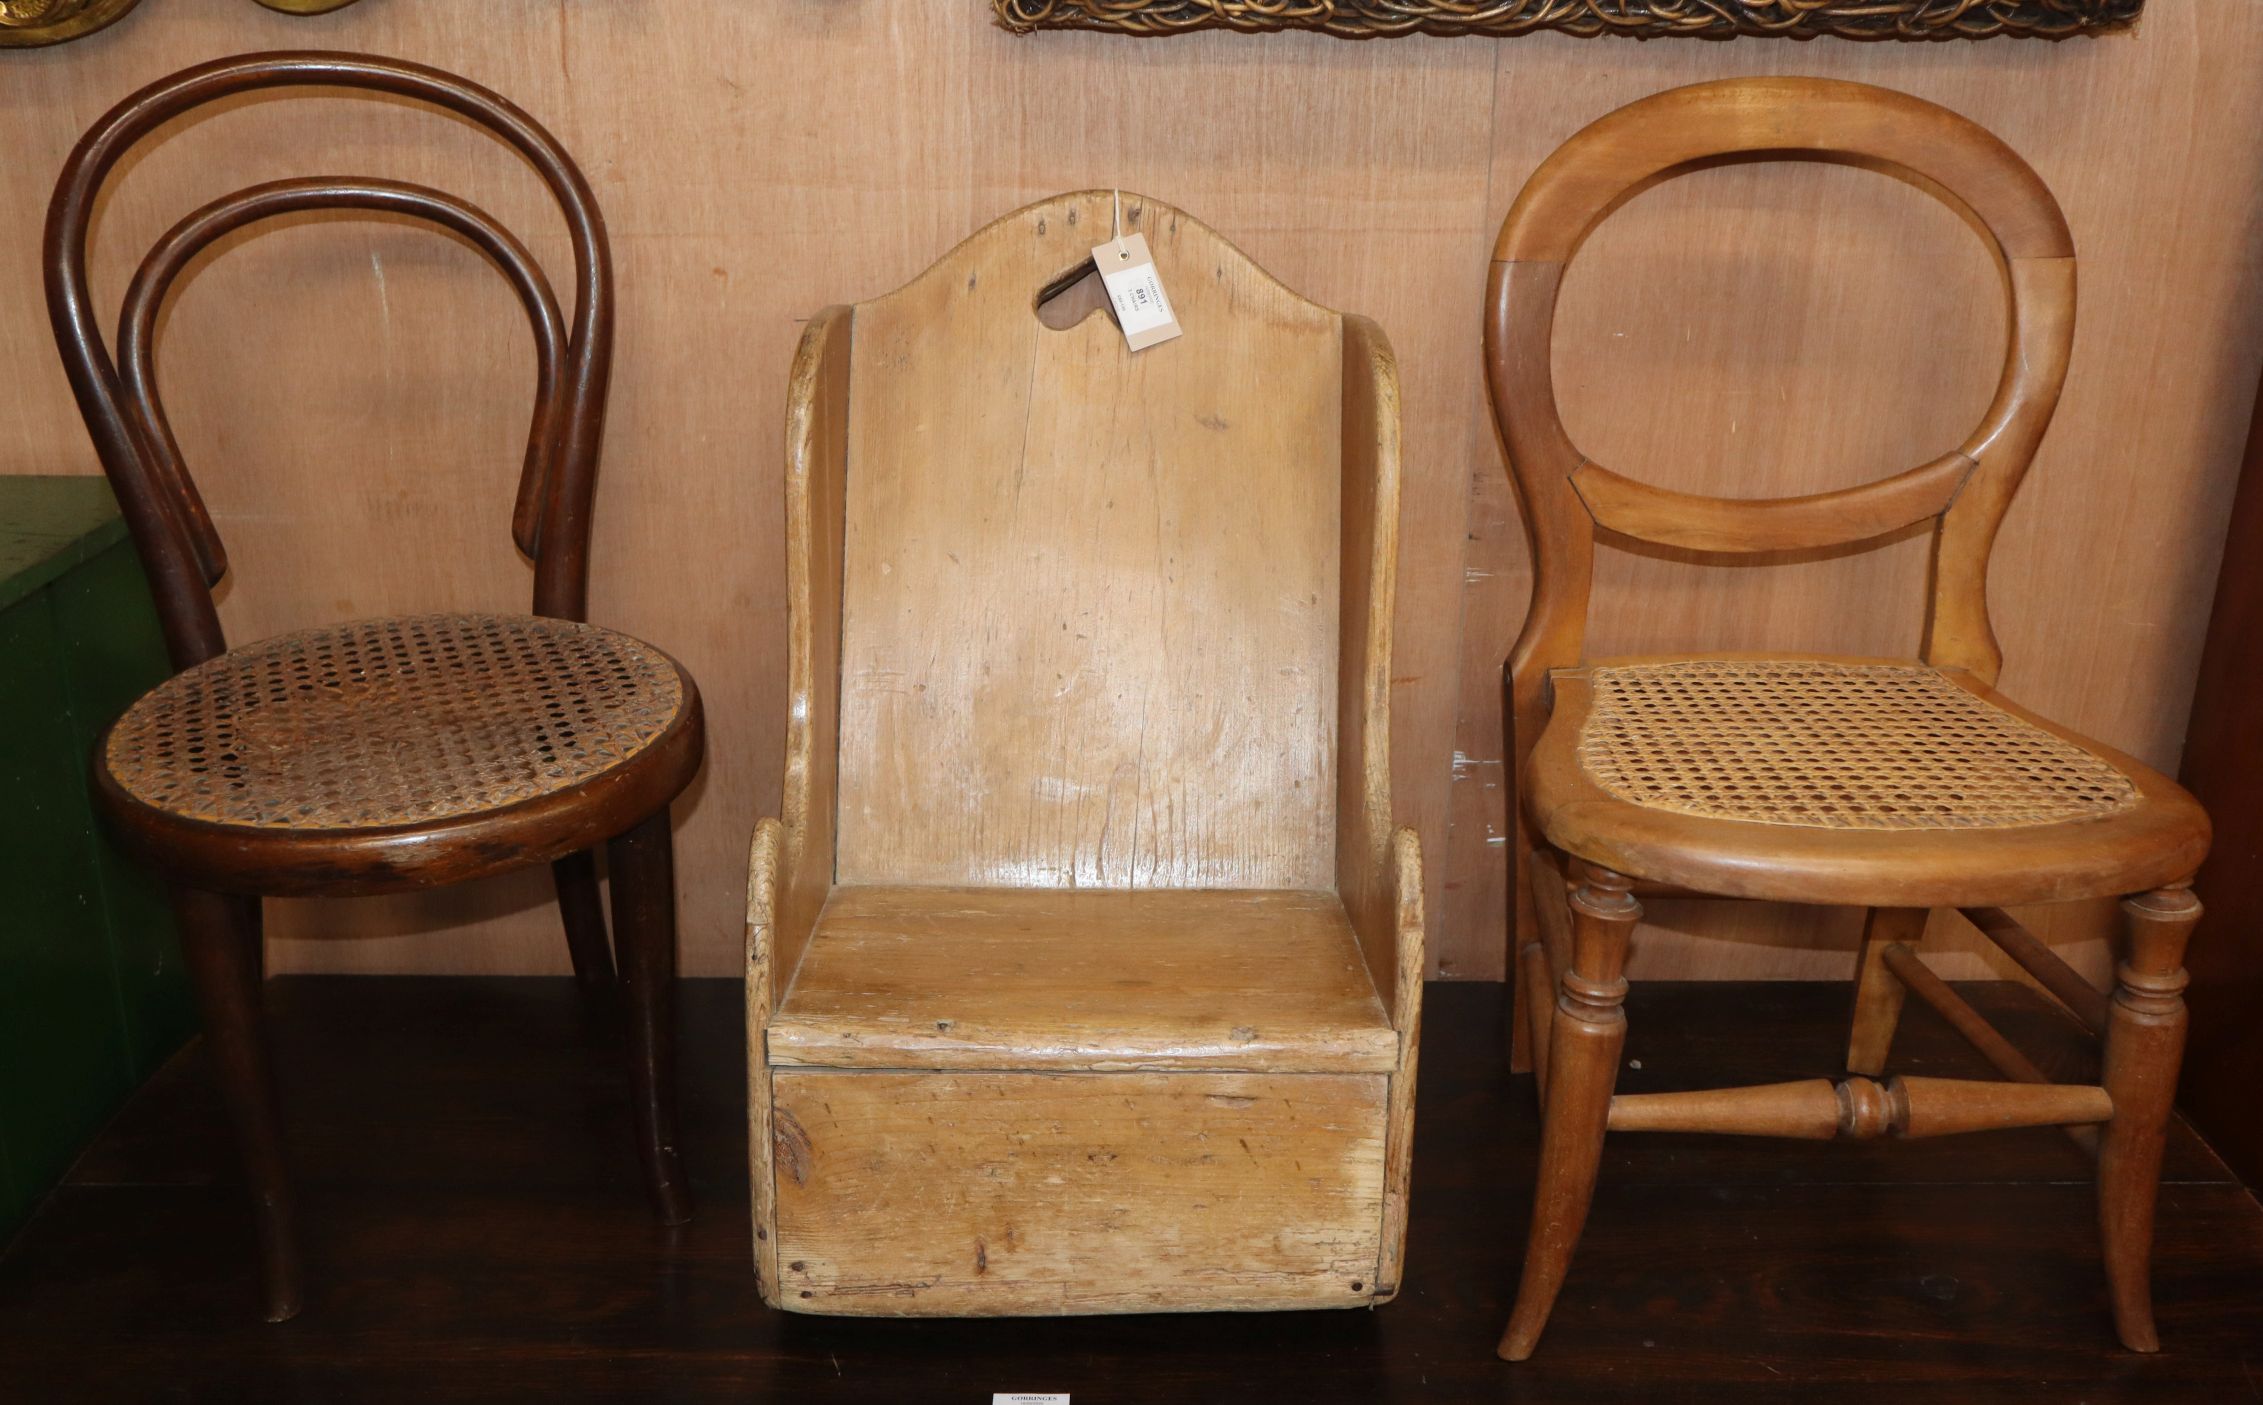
(1143, 309)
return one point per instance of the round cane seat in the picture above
(1869, 782)
(444, 744)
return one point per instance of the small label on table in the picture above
(1023, 1397)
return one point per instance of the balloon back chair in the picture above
(1084, 967)
(1896, 785)
(386, 754)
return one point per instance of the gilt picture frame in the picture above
(1644, 19)
(33, 24)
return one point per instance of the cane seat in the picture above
(426, 723)
(1833, 777)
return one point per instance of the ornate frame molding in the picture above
(1704, 19)
(31, 24)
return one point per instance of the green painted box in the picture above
(92, 992)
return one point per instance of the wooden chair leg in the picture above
(583, 912)
(1878, 992)
(644, 925)
(1585, 1039)
(2145, 1032)
(220, 937)
(1525, 1055)
(1525, 1052)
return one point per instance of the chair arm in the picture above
(762, 882)
(1385, 907)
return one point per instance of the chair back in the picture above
(1090, 617)
(179, 545)
(1568, 498)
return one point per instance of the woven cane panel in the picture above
(394, 721)
(1832, 746)
(1705, 19)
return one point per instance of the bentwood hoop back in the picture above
(172, 532)
(1899, 785)
(380, 755)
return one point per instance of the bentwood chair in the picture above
(1084, 967)
(383, 754)
(1897, 785)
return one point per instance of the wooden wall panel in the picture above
(351, 395)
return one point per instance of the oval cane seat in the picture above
(392, 753)
(1870, 782)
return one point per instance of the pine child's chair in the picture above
(1899, 785)
(1084, 967)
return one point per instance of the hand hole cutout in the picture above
(1071, 298)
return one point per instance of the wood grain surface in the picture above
(1768, 331)
(924, 977)
(1134, 1179)
(1175, 512)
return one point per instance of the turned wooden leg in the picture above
(644, 925)
(220, 937)
(1878, 992)
(1587, 1033)
(2145, 1029)
(583, 912)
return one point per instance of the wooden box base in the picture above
(987, 1194)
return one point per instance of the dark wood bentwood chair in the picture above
(1898, 785)
(383, 754)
